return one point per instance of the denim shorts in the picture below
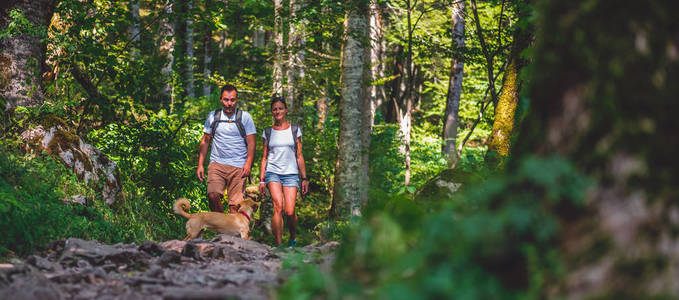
(284, 179)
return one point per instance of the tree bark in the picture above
(134, 28)
(188, 64)
(166, 45)
(295, 70)
(278, 45)
(505, 111)
(611, 111)
(349, 192)
(450, 117)
(406, 120)
(207, 56)
(22, 56)
(370, 100)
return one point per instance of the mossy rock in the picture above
(445, 184)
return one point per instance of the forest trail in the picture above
(219, 268)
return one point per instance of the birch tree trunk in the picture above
(179, 54)
(406, 120)
(277, 75)
(166, 41)
(207, 54)
(190, 86)
(134, 28)
(370, 98)
(22, 56)
(349, 192)
(259, 37)
(295, 71)
(454, 86)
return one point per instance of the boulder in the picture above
(87, 162)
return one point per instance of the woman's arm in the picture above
(302, 167)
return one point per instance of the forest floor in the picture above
(219, 268)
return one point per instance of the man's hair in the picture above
(228, 88)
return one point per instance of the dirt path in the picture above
(223, 267)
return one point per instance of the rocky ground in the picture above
(221, 268)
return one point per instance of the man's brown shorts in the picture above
(221, 177)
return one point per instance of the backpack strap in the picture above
(238, 121)
(267, 134)
(294, 129)
(239, 124)
(215, 120)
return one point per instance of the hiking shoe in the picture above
(292, 243)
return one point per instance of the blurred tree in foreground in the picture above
(603, 91)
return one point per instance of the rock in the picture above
(152, 248)
(87, 162)
(43, 263)
(223, 267)
(444, 185)
(169, 257)
(31, 287)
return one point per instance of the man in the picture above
(231, 154)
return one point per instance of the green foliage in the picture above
(496, 240)
(18, 24)
(32, 194)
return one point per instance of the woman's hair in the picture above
(275, 99)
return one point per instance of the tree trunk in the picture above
(406, 120)
(349, 192)
(397, 88)
(207, 56)
(188, 64)
(505, 111)
(179, 54)
(166, 45)
(259, 37)
(612, 112)
(376, 63)
(278, 44)
(134, 28)
(372, 57)
(454, 86)
(22, 56)
(295, 70)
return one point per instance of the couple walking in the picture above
(232, 133)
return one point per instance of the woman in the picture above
(282, 168)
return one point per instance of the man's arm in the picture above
(202, 152)
(251, 155)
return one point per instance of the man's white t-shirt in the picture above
(281, 157)
(228, 146)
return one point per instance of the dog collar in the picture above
(246, 215)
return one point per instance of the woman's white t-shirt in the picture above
(281, 157)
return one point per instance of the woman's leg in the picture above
(290, 197)
(276, 191)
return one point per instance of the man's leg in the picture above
(216, 184)
(215, 200)
(235, 188)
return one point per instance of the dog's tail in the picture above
(181, 206)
